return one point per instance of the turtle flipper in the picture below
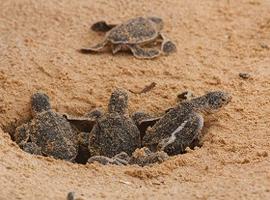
(100, 159)
(143, 121)
(167, 46)
(143, 53)
(116, 48)
(32, 148)
(22, 134)
(82, 124)
(119, 159)
(95, 48)
(102, 26)
(95, 113)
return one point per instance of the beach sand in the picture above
(216, 40)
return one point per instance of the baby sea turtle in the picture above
(181, 125)
(133, 34)
(48, 133)
(115, 131)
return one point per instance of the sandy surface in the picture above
(215, 39)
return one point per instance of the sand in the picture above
(216, 40)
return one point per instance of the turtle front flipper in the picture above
(167, 46)
(119, 159)
(100, 159)
(32, 148)
(22, 134)
(143, 121)
(95, 48)
(95, 113)
(143, 53)
(86, 122)
(102, 26)
(82, 124)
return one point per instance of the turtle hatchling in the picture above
(115, 131)
(181, 125)
(48, 133)
(136, 35)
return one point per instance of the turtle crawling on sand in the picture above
(48, 133)
(115, 131)
(181, 125)
(134, 35)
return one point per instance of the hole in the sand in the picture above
(115, 137)
(141, 156)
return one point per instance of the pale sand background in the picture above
(216, 40)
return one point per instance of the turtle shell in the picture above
(54, 135)
(112, 134)
(176, 118)
(134, 31)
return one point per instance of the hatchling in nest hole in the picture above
(48, 133)
(182, 125)
(136, 34)
(115, 131)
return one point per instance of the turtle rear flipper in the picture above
(95, 48)
(143, 53)
(167, 46)
(116, 48)
(102, 26)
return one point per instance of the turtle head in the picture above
(40, 102)
(118, 101)
(157, 21)
(213, 101)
